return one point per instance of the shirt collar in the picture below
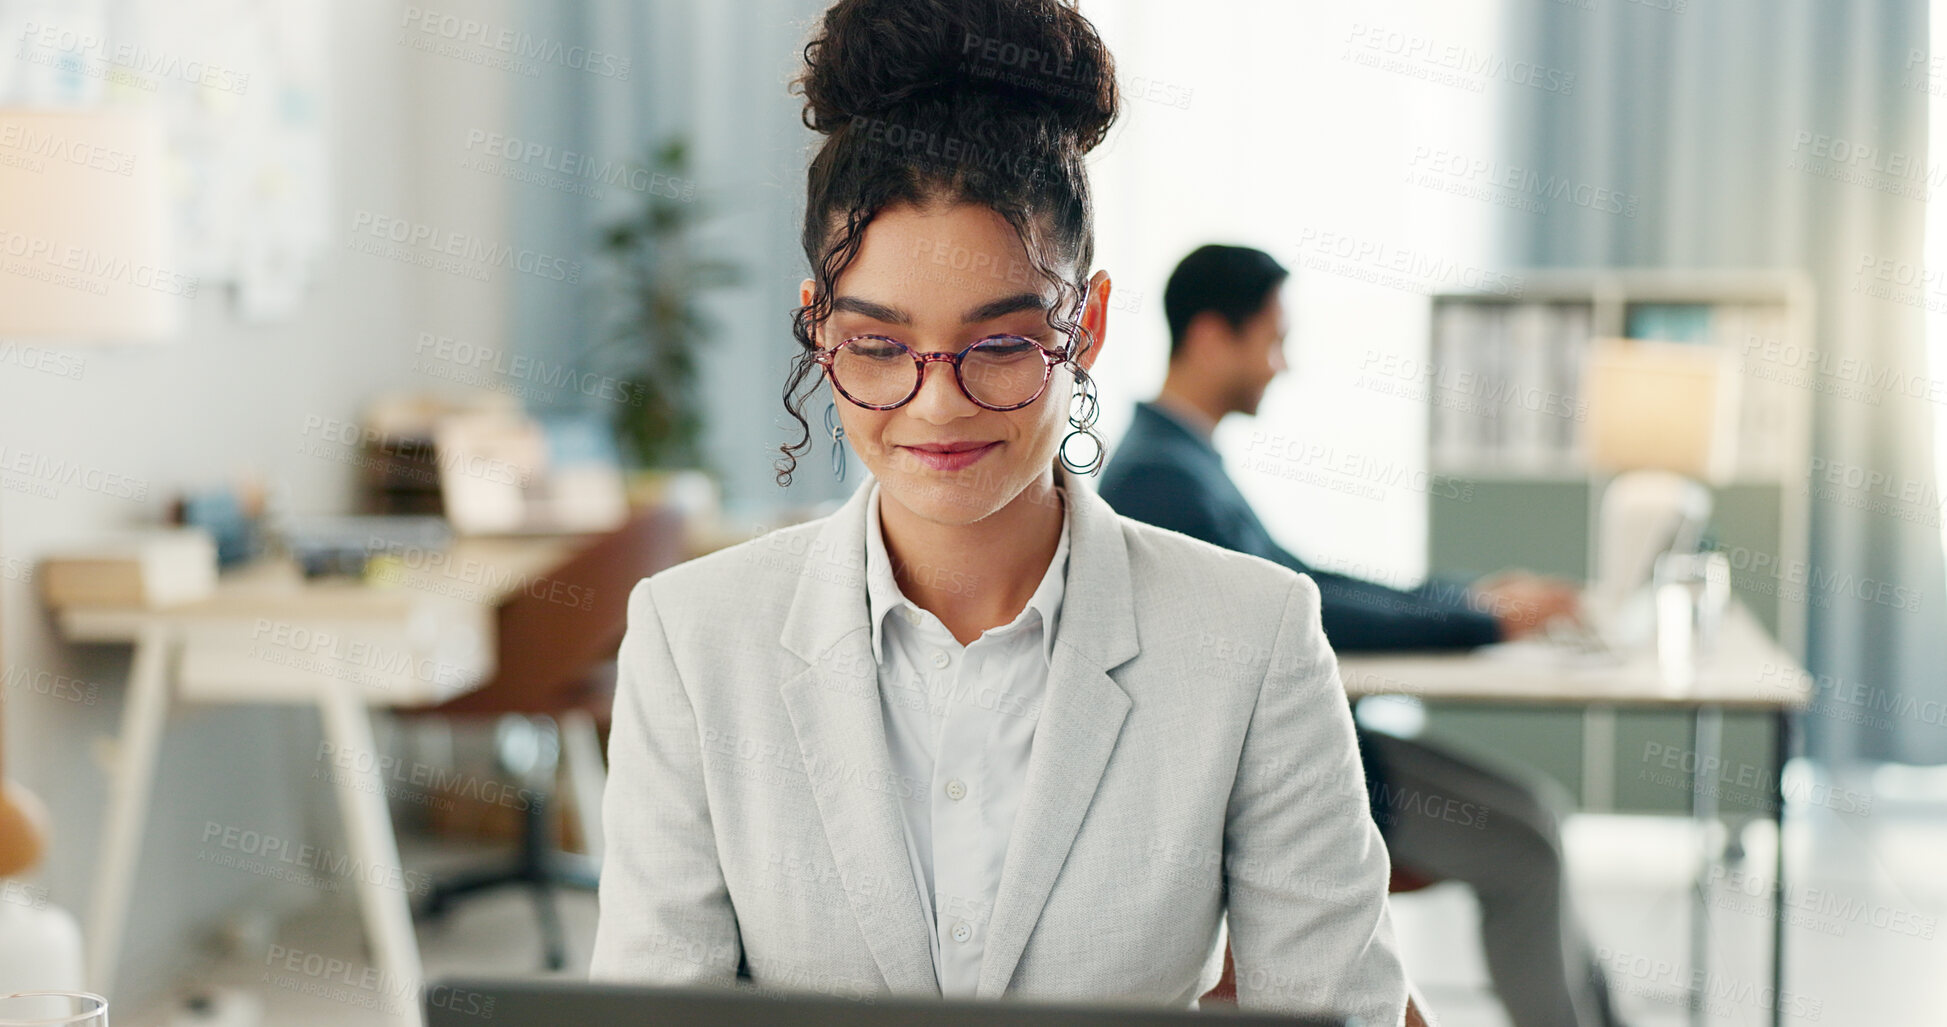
(883, 597)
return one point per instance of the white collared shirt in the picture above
(961, 720)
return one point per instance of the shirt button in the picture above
(912, 616)
(961, 932)
(940, 658)
(956, 790)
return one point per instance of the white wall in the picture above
(223, 399)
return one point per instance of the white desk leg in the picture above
(381, 886)
(145, 709)
(587, 777)
(1707, 727)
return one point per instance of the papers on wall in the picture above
(240, 86)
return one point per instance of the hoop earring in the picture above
(837, 432)
(1084, 409)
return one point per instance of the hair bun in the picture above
(1040, 60)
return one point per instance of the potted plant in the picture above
(661, 278)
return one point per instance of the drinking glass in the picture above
(1692, 590)
(53, 1009)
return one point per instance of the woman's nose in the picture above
(939, 394)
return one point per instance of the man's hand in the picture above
(1524, 603)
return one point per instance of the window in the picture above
(1346, 142)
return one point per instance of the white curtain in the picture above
(1781, 133)
(717, 74)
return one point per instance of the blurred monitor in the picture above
(557, 1003)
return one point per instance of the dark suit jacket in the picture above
(1167, 475)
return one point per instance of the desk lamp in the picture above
(1662, 425)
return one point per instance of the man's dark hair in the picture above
(1234, 281)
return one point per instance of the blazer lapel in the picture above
(834, 709)
(1081, 718)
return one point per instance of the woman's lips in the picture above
(942, 461)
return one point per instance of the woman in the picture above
(975, 734)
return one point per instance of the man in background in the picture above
(1227, 326)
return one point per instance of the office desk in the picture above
(268, 636)
(1746, 670)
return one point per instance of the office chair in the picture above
(528, 747)
(551, 696)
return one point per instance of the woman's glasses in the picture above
(1000, 372)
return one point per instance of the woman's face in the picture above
(938, 280)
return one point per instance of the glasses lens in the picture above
(874, 371)
(1005, 371)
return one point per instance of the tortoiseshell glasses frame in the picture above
(991, 344)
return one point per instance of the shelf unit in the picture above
(1764, 316)
(1533, 499)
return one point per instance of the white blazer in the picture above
(1194, 757)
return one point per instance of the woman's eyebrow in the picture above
(875, 311)
(985, 312)
(1002, 307)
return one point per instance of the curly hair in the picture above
(990, 102)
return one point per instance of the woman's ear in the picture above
(806, 290)
(1095, 318)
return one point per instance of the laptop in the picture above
(470, 1002)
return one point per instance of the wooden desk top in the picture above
(1746, 671)
(483, 571)
(489, 623)
(418, 634)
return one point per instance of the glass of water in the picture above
(1692, 591)
(53, 1009)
